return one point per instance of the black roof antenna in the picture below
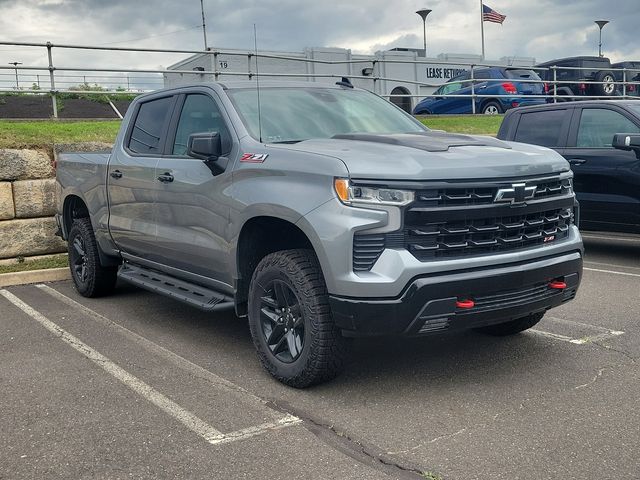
(255, 43)
(345, 82)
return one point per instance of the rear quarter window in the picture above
(147, 128)
(540, 128)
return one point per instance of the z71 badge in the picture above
(254, 157)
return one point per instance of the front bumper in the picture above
(428, 303)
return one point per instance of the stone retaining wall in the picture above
(27, 204)
(28, 200)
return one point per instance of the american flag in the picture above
(490, 15)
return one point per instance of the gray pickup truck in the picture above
(320, 212)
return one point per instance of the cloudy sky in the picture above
(544, 29)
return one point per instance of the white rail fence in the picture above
(54, 79)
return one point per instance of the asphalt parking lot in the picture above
(139, 386)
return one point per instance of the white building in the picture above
(402, 75)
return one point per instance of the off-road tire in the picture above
(96, 280)
(514, 326)
(324, 349)
(492, 108)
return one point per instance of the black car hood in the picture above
(427, 141)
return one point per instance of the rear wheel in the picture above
(89, 276)
(514, 326)
(492, 108)
(291, 322)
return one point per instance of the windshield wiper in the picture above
(290, 141)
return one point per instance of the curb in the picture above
(34, 276)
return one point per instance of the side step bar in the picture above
(194, 295)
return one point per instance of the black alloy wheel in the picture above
(290, 320)
(78, 260)
(90, 277)
(281, 321)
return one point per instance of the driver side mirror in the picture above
(205, 146)
(208, 148)
(627, 141)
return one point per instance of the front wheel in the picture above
(492, 108)
(89, 276)
(514, 326)
(291, 322)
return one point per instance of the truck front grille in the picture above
(457, 238)
(484, 194)
(463, 220)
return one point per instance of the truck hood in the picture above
(434, 156)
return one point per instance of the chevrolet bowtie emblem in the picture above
(518, 193)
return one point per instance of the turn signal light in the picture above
(465, 303)
(557, 285)
(342, 189)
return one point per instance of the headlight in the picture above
(352, 194)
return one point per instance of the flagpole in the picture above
(482, 29)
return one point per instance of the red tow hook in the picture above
(465, 303)
(557, 285)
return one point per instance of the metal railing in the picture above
(51, 79)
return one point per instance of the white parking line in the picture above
(188, 419)
(611, 265)
(152, 347)
(603, 237)
(612, 271)
(605, 333)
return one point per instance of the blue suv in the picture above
(488, 81)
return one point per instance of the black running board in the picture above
(194, 295)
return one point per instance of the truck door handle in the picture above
(116, 174)
(577, 161)
(166, 177)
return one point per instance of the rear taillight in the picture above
(509, 87)
(545, 86)
(582, 87)
(631, 88)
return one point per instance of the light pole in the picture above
(601, 24)
(204, 27)
(423, 14)
(15, 65)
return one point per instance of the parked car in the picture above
(320, 212)
(632, 75)
(507, 81)
(572, 80)
(606, 179)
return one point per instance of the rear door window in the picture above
(146, 133)
(598, 125)
(541, 128)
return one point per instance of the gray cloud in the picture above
(545, 29)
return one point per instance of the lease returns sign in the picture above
(444, 72)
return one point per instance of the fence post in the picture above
(473, 91)
(249, 65)
(624, 82)
(215, 66)
(555, 85)
(52, 80)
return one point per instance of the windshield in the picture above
(296, 114)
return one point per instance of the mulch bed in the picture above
(40, 107)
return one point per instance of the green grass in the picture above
(56, 261)
(28, 134)
(473, 124)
